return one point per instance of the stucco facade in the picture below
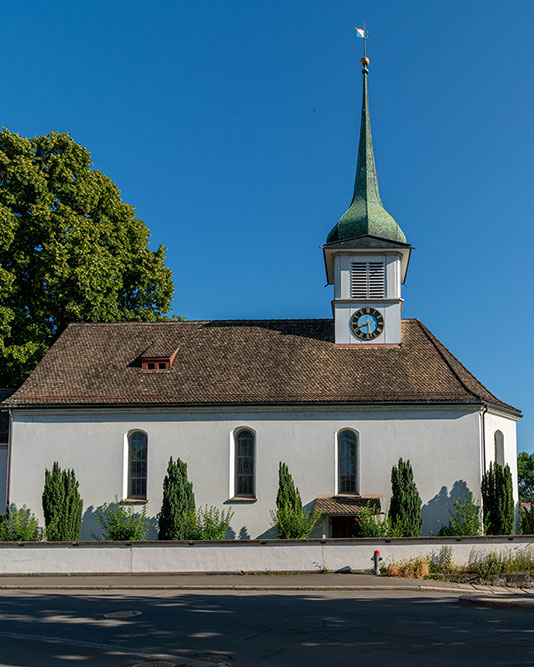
(444, 445)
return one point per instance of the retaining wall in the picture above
(33, 558)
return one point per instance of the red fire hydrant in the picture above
(376, 562)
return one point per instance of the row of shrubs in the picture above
(466, 517)
(179, 518)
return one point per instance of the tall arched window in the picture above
(346, 462)
(137, 460)
(244, 464)
(499, 447)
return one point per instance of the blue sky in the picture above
(232, 126)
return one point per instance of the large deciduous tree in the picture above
(70, 250)
(525, 475)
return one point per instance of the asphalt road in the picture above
(244, 629)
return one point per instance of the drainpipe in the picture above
(9, 448)
(482, 412)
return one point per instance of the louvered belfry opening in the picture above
(367, 280)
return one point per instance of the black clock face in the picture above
(367, 323)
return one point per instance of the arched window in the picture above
(499, 448)
(244, 464)
(137, 460)
(346, 462)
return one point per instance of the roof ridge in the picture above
(261, 319)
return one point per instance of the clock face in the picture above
(367, 323)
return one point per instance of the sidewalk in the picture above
(249, 582)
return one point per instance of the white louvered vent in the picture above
(367, 280)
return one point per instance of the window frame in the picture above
(356, 436)
(129, 460)
(236, 493)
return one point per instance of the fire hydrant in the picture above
(376, 562)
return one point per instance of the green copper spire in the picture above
(366, 216)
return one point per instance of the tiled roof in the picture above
(267, 362)
(344, 505)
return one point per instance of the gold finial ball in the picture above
(365, 62)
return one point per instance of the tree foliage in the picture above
(178, 504)
(70, 250)
(287, 494)
(405, 504)
(525, 476)
(526, 521)
(62, 505)
(290, 519)
(497, 500)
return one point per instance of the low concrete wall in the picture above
(236, 556)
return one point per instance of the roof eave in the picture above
(347, 247)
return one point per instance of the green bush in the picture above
(120, 521)
(526, 521)
(293, 524)
(19, 525)
(465, 518)
(290, 519)
(405, 504)
(497, 500)
(62, 505)
(178, 504)
(207, 523)
(372, 524)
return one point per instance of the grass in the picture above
(481, 565)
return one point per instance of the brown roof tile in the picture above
(344, 505)
(246, 362)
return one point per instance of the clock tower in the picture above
(366, 256)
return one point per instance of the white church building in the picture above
(339, 400)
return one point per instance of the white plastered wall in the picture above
(443, 445)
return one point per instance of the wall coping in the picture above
(430, 539)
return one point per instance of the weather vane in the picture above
(363, 33)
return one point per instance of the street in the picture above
(279, 628)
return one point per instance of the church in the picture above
(338, 400)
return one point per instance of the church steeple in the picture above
(366, 256)
(366, 215)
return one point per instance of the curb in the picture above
(498, 602)
(221, 587)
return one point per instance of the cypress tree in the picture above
(498, 500)
(178, 503)
(405, 505)
(288, 495)
(62, 505)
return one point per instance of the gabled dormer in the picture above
(366, 255)
(158, 357)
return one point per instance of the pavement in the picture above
(481, 595)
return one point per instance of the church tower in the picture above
(366, 256)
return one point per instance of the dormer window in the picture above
(158, 357)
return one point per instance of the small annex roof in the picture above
(344, 505)
(245, 362)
